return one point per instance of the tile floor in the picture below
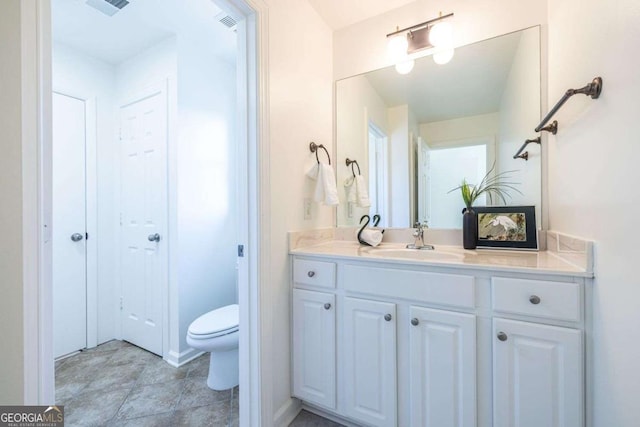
(119, 384)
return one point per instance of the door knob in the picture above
(387, 317)
(415, 321)
(154, 237)
(76, 237)
(311, 273)
(534, 299)
(502, 336)
(327, 306)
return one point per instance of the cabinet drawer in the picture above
(315, 273)
(553, 300)
(436, 288)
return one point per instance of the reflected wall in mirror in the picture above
(417, 136)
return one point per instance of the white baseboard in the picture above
(179, 359)
(287, 412)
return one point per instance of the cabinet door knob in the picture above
(534, 299)
(415, 321)
(387, 317)
(327, 306)
(502, 336)
(311, 273)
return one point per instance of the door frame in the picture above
(91, 205)
(255, 347)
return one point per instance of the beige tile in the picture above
(197, 393)
(199, 367)
(160, 420)
(94, 409)
(216, 414)
(132, 355)
(151, 400)
(159, 371)
(109, 346)
(111, 377)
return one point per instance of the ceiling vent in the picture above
(108, 7)
(227, 20)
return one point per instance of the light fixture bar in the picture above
(423, 24)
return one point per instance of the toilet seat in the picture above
(221, 321)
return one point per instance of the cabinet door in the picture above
(370, 361)
(537, 375)
(442, 368)
(314, 347)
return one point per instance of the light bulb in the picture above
(441, 34)
(405, 67)
(397, 47)
(443, 56)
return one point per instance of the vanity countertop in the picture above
(542, 262)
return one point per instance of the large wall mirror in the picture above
(416, 136)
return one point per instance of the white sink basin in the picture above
(415, 254)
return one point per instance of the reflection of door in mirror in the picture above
(489, 94)
(449, 163)
(378, 167)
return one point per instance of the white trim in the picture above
(287, 412)
(178, 359)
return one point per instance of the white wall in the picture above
(519, 115)
(470, 127)
(11, 243)
(81, 76)
(301, 110)
(358, 104)
(362, 47)
(593, 180)
(206, 183)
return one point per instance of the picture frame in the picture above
(506, 227)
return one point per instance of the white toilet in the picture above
(217, 332)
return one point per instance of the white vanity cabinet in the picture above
(400, 344)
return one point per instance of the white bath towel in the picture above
(372, 237)
(325, 191)
(362, 195)
(350, 189)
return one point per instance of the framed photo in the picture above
(511, 227)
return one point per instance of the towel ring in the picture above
(350, 163)
(313, 147)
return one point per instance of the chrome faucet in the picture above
(418, 234)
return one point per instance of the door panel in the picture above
(537, 375)
(69, 218)
(144, 214)
(314, 351)
(370, 361)
(442, 368)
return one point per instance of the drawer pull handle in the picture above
(311, 273)
(415, 321)
(534, 299)
(502, 336)
(387, 317)
(327, 306)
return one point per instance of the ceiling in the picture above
(138, 26)
(471, 84)
(342, 13)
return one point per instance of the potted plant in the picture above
(494, 186)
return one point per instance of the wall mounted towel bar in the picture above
(592, 89)
(525, 155)
(351, 163)
(314, 149)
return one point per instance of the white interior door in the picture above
(143, 250)
(69, 225)
(423, 181)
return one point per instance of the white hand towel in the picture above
(362, 195)
(372, 237)
(326, 191)
(350, 189)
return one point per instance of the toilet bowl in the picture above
(217, 332)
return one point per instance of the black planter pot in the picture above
(469, 228)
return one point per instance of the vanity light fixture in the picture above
(434, 34)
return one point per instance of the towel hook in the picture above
(350, 163)
(314, 149)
